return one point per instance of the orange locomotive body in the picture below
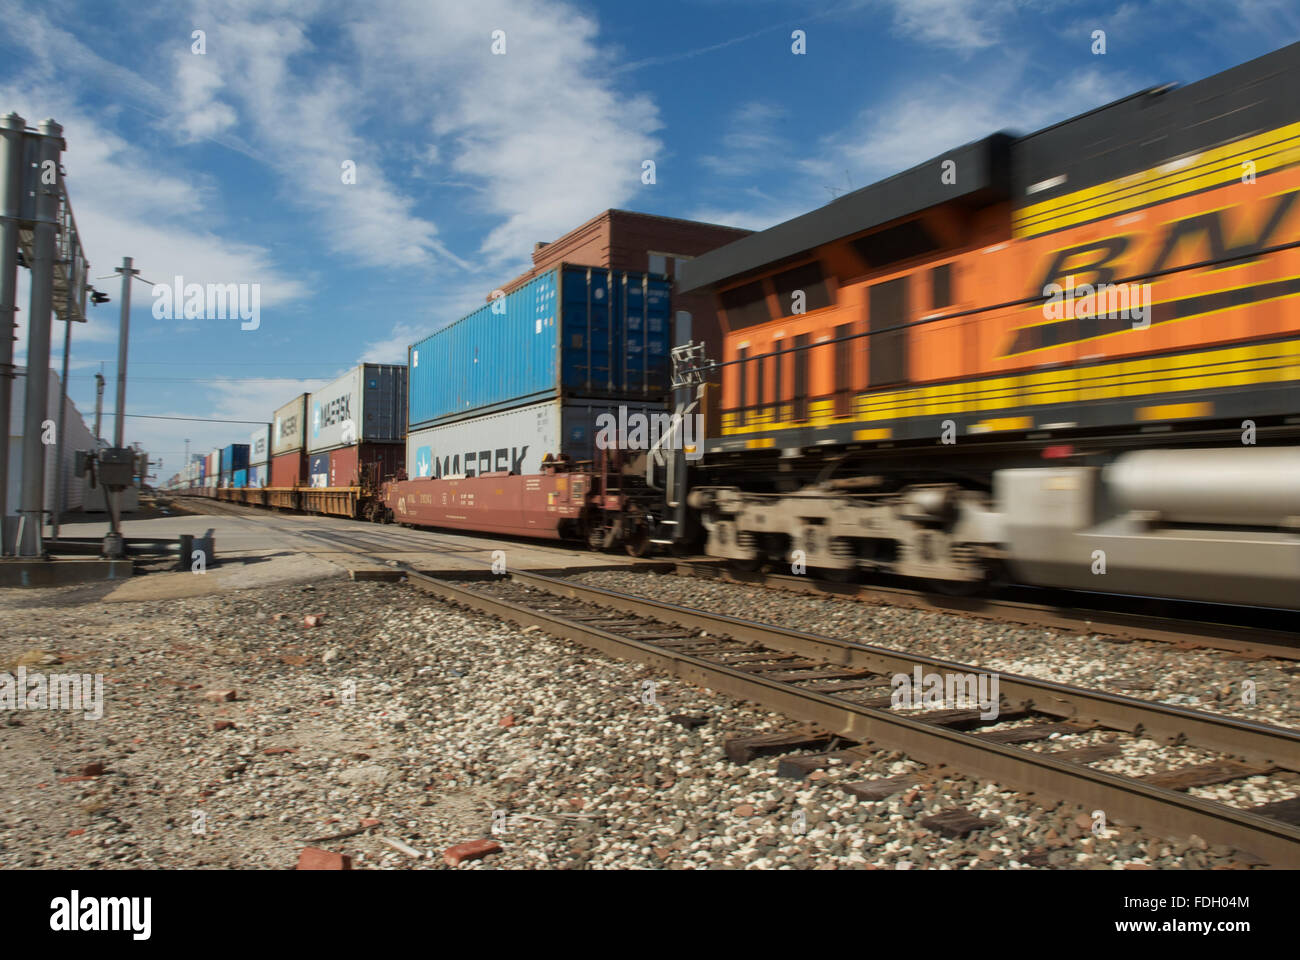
(1177, 302)
(1073, 356)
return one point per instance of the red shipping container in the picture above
(289, 470)
(366, 464)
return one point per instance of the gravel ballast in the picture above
(435, 722)
(1203, 679)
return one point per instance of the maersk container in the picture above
(365, 405)
(234, 457)
(318, 470)
(573, 332)
(259, 446)
(289, 427)
(516, 441)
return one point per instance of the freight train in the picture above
(1067, 359)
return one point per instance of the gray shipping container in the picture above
(289, 427)
(365, 405)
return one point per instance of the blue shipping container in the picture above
(234, 457)
(572, 332)
(257, 475)
(240, 479)
(318, 470)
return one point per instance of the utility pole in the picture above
(119, 460)
(60, 448)
(99, 406)
(11, 178)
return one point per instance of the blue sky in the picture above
(225, 167)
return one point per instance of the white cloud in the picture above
(953, 24)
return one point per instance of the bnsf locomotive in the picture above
(1071, 358)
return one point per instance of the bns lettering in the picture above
(1106, 261)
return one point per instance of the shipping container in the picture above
(365, 405)
(234, 457)
(240, 478)
(214, 463)
(318, 470)
(571, 332)
(366, 464)
(516, 440)
(257, 474)
(289, 427)
(203, 471)
(259, 446)
(289, 470)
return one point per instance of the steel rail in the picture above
(1129, 626)
(1160, 810)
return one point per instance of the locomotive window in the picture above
(745, 306)
(898, 243)
(941, 286)
(807, 278)
(887, 346)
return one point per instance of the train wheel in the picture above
(637, 544)
(751, 565)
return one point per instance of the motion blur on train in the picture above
(1067, 359)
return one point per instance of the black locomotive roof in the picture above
(982, 176)
(1131, 134)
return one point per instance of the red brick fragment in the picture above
(369, 822)
(220, 696)
(223, 725)
(76, 833)
(74, 779)
(272, 751)
(472, 850)
(314, 858)
(507, 721)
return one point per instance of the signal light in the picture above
(1058, 452)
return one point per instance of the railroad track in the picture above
(1106, 619)
(842, 687)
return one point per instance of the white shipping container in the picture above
(513, 440)
(367, 404)
(259, 446)
(289, 426)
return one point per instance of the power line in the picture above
(155, 416)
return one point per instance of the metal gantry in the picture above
(36, 225)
